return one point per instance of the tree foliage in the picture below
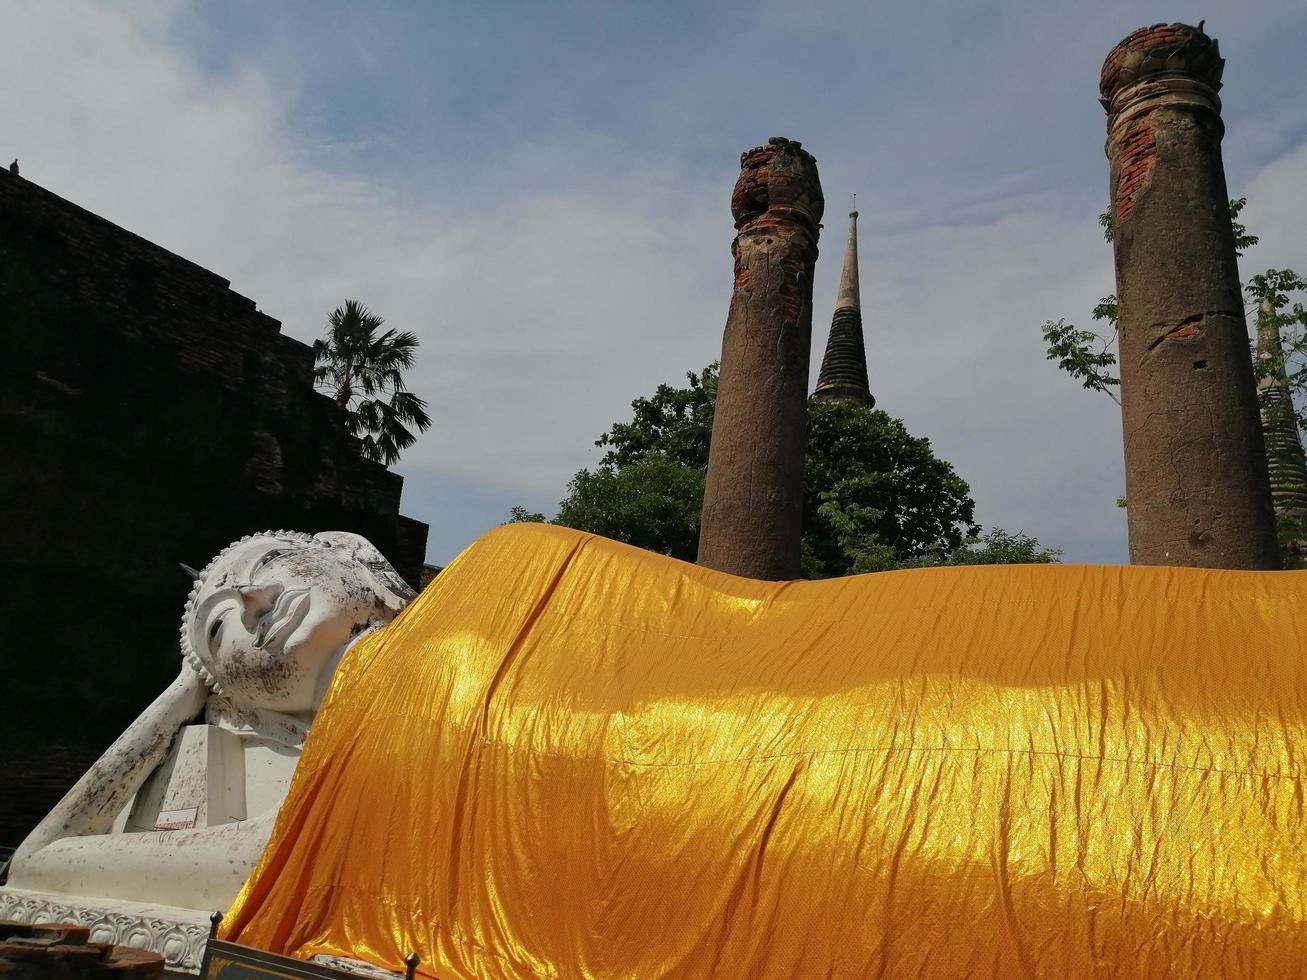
(1083, 354)
(875, 497)
(994, 547)
(520, 515)
(676, 422)
(358, 369)
(652, 502)
(648, 488)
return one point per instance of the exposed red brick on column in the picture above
(753, 499)
(1196, 486)
(1138, 154)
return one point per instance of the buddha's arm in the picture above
(96, 799)
(202, 868)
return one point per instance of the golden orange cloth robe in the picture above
(571, 758)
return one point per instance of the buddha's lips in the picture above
(285, 616)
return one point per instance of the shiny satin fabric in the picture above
(571, 758)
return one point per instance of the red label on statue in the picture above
(183, 819)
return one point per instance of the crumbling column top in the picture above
(778, 184)
(1157, 54)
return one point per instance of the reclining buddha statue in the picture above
(167, 824)
(571, 758)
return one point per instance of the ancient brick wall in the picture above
(149, 415)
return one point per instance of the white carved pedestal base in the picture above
(177, 934)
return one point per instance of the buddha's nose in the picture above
(256, 600)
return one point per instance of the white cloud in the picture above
(540, 315)
(1277, 213)
(581, 267)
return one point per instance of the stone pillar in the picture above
(753, 498)
(1196, 484)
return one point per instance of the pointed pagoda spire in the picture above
(844, 366)
(1285, 459)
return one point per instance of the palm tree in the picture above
(357, 369)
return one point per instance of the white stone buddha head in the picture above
(269, 617)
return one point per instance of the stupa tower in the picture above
(1284, 452)
(844, 365)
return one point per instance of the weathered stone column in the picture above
(753, 499)
(1196, 484)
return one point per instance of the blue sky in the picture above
(540, 192)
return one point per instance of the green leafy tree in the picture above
(648, 488)
(994, 547)
(1083, 354)
(676, 422)
(520, 515)
(869, 485)
(998, 547)
(363, 373)
(652, 502)
(875, 497)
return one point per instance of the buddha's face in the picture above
(272, 615)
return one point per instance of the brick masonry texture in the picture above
(1163, 51)
(1176, 46)
(1138, 155)
(150, 415)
